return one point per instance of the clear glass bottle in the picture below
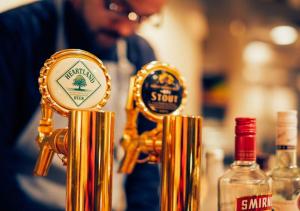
(286, 175)
(244, 187)
(214, 169)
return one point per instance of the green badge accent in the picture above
(79, 83)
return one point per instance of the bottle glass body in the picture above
(286, 174)
(286, 182)
(243, 187)
(214, 169)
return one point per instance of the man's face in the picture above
(107, 25)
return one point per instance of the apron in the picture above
(49, 192)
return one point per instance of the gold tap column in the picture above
(90, 160)
(181, 163)
(75, 83)
(157, 90)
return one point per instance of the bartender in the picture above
(28, 36)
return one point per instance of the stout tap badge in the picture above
(162, 92)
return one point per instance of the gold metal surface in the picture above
(86, 146)
(175, 141)
(53, 61)
(148, 142)
(90, 160)
(54, 143)
(181, 164)
(45, 130)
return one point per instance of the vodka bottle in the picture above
(286, 175)
(214, 169)
(244, 187)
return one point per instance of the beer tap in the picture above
(159, 93)
(76, 84)
(157, 90)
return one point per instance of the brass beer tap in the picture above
(159, 93)
(75, 84)
(157, 90)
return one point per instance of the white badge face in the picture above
(77, 83)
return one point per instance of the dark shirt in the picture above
(28, 37)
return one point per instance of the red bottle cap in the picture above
(245, 139)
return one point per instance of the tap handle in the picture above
(132, 152)
(45, 129)
(55, 143)
(46, 123)
(130, 98)
(129, 144)
(131, 110)
(44, 160)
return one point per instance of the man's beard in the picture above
(108, 32)
(79, 35)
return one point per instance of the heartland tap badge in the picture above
(159, 90)
(74, 80)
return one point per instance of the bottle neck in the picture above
(286, 158)
(245, 148)
(286, 145)
(244, 163)
(239, 164)
(214, 169)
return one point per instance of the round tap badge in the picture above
(159, 90)
(74, 79)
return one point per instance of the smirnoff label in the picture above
(254, 203)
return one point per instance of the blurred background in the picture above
(239, 58)
(250, 66)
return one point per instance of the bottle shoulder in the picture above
(244, 173)
(286, 172)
